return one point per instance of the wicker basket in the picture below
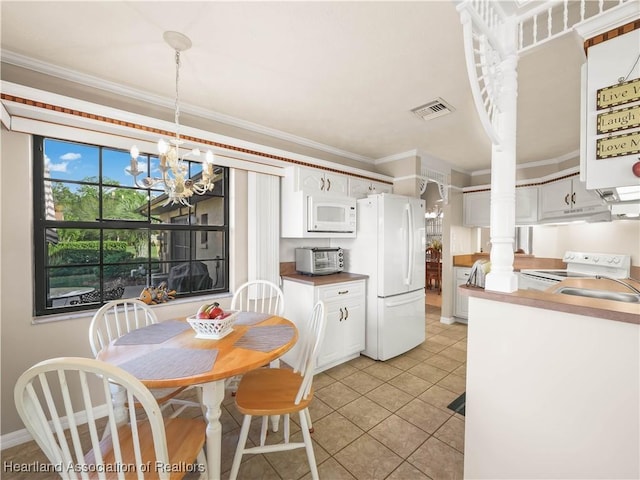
(213, 329)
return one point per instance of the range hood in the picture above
(624, 202)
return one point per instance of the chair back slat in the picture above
(71, 418)
(63, 390)
(34, 409)
(58, 429)
(310, 349)
(117, 318)
(260, 296)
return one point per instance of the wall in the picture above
(23, 343)
(619, 236)
(406, 167)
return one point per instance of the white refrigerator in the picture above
(389, 247)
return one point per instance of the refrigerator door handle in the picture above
(409, 250)
(400, 302)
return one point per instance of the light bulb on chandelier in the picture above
(173, 167)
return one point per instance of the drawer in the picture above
(341, 291)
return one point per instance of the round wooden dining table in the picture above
(246, 348)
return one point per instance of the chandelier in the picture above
(173, 165)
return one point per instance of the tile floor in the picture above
(372, 420)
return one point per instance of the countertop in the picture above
(318, 280)
(593, 307)
(520, 261)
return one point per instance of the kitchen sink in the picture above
(603, 294)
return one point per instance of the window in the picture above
(98, 237)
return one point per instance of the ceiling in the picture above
(343, 74)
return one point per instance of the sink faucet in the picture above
(628, 285)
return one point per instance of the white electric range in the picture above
(579, 264)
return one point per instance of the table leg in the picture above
(212, 396)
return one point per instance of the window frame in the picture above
(41, 225)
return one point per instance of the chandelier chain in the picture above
(177, 104)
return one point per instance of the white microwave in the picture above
(331, 214)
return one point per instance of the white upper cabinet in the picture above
(526, 205)
(477, 208)
(548, 200)
(567, 197)
(311, 180)
(360, 188)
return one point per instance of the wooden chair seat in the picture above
(185, 437)
(270, 391)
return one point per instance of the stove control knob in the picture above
(610, 260)
(616, 260)
(596, 259)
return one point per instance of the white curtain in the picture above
(263, 227)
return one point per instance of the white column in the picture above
(503, 184)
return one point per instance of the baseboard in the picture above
(21, 436)
(15, 438)
(448, 320)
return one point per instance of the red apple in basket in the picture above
(215, 312)
(204, 312)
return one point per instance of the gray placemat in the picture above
(251, 318)
(267, 338)
(154, 333)
(171, 363)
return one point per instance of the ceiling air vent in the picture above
(436, 108)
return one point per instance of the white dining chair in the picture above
(118, 317)
(259, 296)
(65, 404)
(280, 391)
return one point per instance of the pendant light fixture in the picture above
(174, 178)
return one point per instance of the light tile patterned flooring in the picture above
(372, 420)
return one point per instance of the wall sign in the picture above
(618, 145)
(621, 119)
(618, 94)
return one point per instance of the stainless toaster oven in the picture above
(319, 260)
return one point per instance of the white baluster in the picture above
(566, 14)
(520, 34)
(535, 29)
(549, 23)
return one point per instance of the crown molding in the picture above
(539, 163)
(608, 20)
(45, 68)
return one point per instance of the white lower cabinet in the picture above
(460, 302)
(345, 310)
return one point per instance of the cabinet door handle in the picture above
(328, 184)
(343, 292)
(347, 313)
(341, 314)
(573, 198)
(322, 185)
(566, 199)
